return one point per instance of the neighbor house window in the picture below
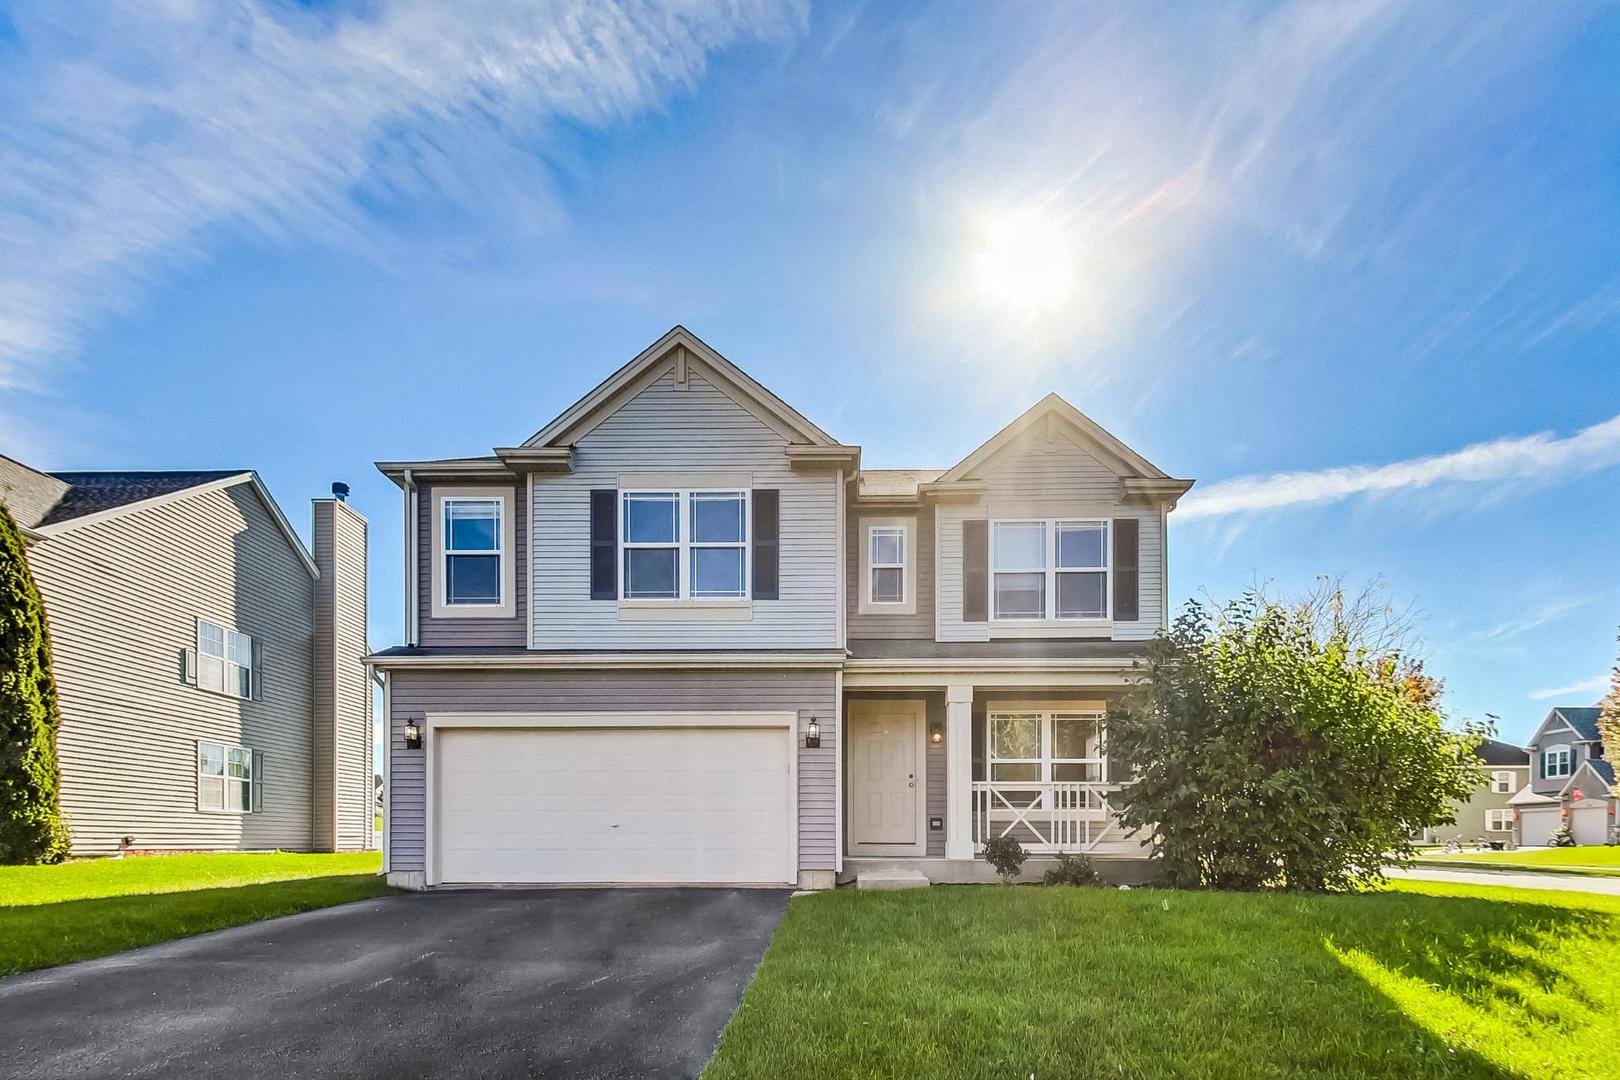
(887, 554)
(224, 660)
(1498, 821)
(229, 778)
(1041, 746)
(685, 545)
(473, 539)
(1502, 782)
(1557, 761)
(1049, 569)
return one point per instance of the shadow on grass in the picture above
(1526, 987)
(43, 935)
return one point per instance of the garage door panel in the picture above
(614, 805)
(1536, 827)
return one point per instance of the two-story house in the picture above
(1570, 781)
(680, 636)
(210, 669)
(1488, 813)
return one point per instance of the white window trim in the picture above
(1024, 625)
(683, 547)
(1503, 782)
(226, 664)
(1046, 761)
(441, 607)
(907, 605)
(1568, 753)
(255, 778)
(1502, 819)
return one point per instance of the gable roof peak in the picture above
(1125, 460)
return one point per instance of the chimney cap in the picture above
(341, 490)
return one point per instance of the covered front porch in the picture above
(938, 761)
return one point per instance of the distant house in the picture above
(210, 668)
(1569, 781)
(1488, 813)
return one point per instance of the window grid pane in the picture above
(717, 572)
(1082, 546)
(718, 518)
(888, 585)
(650, 573)
(1020, 596)
(472, 579)
(651, 517)
(472, 525)
(1082, 594)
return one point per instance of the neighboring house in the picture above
(211, 670)
(1488, 813)
(1569, 781)
(680, 635)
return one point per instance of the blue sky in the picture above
(1354, 266)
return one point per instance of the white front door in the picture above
(886, 781)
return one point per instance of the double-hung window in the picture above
(689, 545)
(230, 779)
(1499, 821)
(1557, 761)
(224, 660)
(473, 540)
(1049, 569)
(887, 563)
(1502, 782)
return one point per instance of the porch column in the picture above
(959, 772)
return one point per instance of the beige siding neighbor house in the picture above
(210, 669)
(680, 636)
(1488, 814)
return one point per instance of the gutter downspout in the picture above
(410, 559)
(381, 678)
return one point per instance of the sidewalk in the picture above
(1519, 879)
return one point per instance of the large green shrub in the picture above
(1287, 745)
(31, 829)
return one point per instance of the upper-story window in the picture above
(1502, 781)
(1049, 569)
(888, 563)
(224, 660)
(685, 545)
(1557, 761)
(474, 541)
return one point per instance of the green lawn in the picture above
(1425, 980)
(1597, 861)
(74, 911)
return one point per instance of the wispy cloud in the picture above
(129, 136)
(1538, 616)
(1528, 459)
(1586, 686)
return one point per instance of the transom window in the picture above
(1499, 821)
(229, 778)
(1557, 761)
(1502, 782)
(887, 563)
(1042, 747)
(1049, 569)
(474, 538)
(224, 660)
(685, 545)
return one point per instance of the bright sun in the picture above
(1025, 262)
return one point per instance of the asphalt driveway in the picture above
(575, 983)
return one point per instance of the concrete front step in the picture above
(891, 878)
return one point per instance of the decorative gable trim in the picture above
(1548, 727)
(1052, 417)
(678, 352)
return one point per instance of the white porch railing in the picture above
(1046, 818)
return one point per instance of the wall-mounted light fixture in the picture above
(936, 733)
(413, 734)
(812, 733)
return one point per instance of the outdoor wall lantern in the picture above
(936, 733)
(812, 733)
(413, 734)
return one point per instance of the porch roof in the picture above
(1022, 649)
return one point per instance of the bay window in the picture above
(1054, 569)
(685, 545)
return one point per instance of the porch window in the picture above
(1045, 747)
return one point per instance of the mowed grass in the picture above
(1599, 861)
(1423, 980)
(78, 910)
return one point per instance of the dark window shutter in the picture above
(767, 544)
(257, 679)
(1127, 569)
(604, 544)
(258, 782)
(975, 571)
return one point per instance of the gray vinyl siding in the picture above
(919, 625)
(1580, 753)
(122, 597)
(343, 699)
(459, 631)
(1030, 480)
(698, 428)
(418, 693)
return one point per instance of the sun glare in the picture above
(1025, 262)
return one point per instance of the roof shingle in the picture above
(93, 492)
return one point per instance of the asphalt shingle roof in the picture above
(92, 492)
(1582, 720)
(1495, 752)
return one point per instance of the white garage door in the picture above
(1537, 826)
(1589, 824)
(636, 804)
